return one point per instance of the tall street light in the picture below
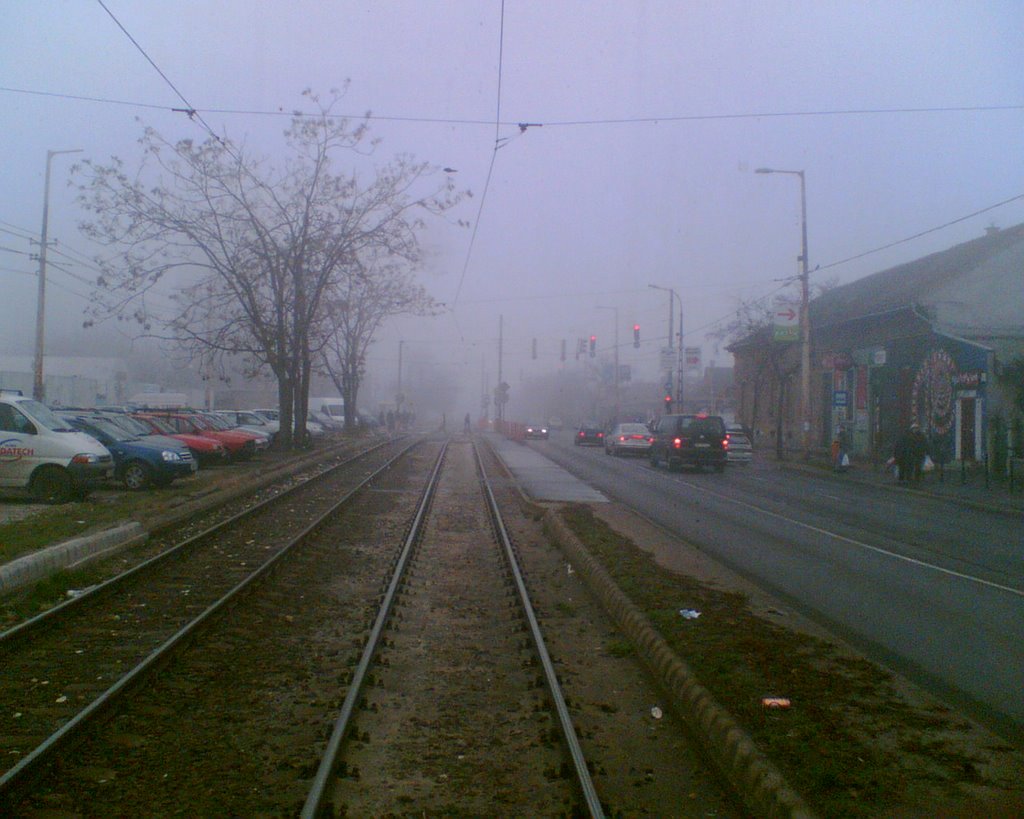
(615, 420)
(805, 319)
(673, 373)
(38, 390)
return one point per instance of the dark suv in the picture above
(690, 440)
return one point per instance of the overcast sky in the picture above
(651, 119)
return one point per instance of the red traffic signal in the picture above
(593, 346)
(636, 335)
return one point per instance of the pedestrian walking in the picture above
(391, 422)
(909, 453)
(467, 424)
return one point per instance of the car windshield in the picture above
(217, 422)
(104, 428)
(632, 429)
(45, 416)
(697, 425)
(129, 424)
(160, 425)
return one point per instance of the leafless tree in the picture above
(260, 247)
(355, 307)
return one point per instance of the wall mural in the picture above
(932, 397)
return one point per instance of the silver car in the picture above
(626, 439)
(739, 449)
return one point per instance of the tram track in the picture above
(59, 664)
(454, 710)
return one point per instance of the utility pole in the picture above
(616, 358)
(38, 388)
(805, 315)
(500, 413)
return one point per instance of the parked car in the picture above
(626, 439)
(206, 451)
(328, 412)
(690, 440)
(537, 431)
(43, 453)
(261, 440)
(138, 463)
(240, 445)
(589, 434)
(251, 421)
(314, 429)
(739, 448)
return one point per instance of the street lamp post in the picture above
(616, 364)
(38, 390)
(674, 372)
(805, 318)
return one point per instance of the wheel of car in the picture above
(52, 484)
(137, 475)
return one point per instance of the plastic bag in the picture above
(927, 465)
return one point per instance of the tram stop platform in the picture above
(540, 478)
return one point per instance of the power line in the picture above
(650, 120)
(494, 156)
(922, 233)
(189, 109)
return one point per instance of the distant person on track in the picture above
(467, 425)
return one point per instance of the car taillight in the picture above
(725, 442)
(622, 437)
(582, 433)
(600, 435)
(678, 443)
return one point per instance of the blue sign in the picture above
(840, 398)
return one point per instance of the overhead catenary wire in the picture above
(653, 119)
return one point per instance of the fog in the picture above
(609, 146)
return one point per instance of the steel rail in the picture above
(583, 777)
(53, 615)
(315, 800)
(15, 782)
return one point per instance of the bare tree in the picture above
(260, 247)
(355, 308)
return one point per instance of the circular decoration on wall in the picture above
(932, 396)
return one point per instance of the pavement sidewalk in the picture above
(966, 486)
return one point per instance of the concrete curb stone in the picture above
(760, 785)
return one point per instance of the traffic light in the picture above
(668, 402)
(534, 352)
(636, 335)
(563, 349)
(593, 346)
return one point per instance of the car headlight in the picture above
(168, 455)
(85, 458)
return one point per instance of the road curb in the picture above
(758, 783)
(37, 565)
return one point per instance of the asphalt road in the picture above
(933, 589)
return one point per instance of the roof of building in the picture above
(936, 280)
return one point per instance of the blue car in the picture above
(138, 461)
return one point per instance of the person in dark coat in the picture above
(918, 451)
(908, 453)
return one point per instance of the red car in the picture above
(206, 451)
(240, 445)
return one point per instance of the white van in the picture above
(40, 452)
(328, 411)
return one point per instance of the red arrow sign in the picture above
(789, 314)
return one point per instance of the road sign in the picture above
(785, 321)
(691, 357)
(668, 358)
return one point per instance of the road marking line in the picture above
(868, 546)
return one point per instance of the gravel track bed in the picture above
(51, 675)
(235, 726)
(458, 722)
